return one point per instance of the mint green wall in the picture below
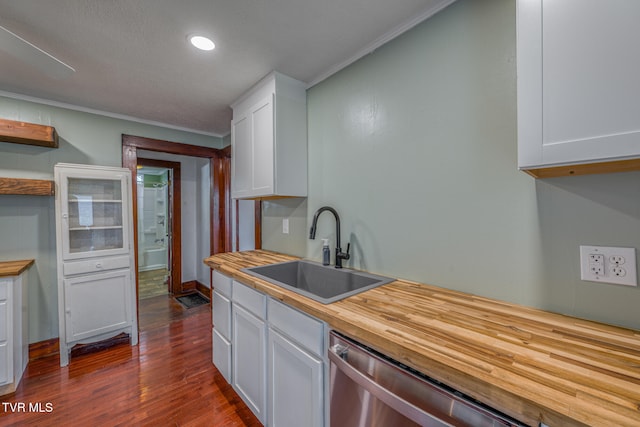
(415, 146)
(226, 140)
(27, 223)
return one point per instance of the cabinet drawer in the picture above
(222, 284)
(94, 265)
(307, 331)
(222, 355)
(4, 289)
(254, 301)
(222, 315)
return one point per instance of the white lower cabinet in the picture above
(274, 356)
(297, 367)
(249, 348)
(14, 340)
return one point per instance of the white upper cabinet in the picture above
(578, 82)
(93, 211)
(269, 140)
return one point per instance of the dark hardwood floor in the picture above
(167, 380)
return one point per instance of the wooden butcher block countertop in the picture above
(14, 268)
(533, 365)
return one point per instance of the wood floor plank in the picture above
(167, 380)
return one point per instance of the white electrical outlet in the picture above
(285, 226)
(608, 265)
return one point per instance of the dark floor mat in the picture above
(192, 300)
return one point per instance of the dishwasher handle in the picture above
(338, 356)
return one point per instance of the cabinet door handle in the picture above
(98, 265)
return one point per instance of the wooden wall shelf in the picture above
(28, 133)
(26, 187)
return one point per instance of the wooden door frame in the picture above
(220, 185)
(176, 220)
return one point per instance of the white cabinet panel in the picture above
(96, 265)
(222, 325)
(263, 150)
(94, 304)
(578, 91)
(242, 158)
(296, 384)
(304, 329)
(6, 321)
(249, 356)
(222, 315)
(222, 284)
(250, 299)
(222, 355)
(6, 361)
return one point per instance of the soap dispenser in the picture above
(326, 252)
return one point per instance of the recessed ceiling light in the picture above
(202, 43)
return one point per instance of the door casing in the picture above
(220, 185)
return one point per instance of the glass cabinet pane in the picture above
(95, 214)
(91, 213)
(90, 240)
(102, 189)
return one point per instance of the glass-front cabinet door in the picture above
(93, 213)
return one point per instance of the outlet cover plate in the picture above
(618, 265)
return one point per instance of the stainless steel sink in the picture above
(325, 284)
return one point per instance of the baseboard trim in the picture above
(188, 287)
(38, 350)
(203, 289)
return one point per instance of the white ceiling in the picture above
(132, 57)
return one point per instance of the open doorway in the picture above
(158, 227)
(207, 169)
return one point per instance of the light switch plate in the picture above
(606, 264)
(285, 226)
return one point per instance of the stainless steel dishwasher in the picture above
(369, 389)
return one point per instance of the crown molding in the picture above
(385, 38)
